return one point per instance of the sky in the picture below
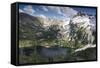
(57, 12)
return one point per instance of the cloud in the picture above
(21, 11)
(44, 8)
(54, 17)
(63, 11)
(29, 10)
(68, 12)
(41, 15)
(55, 9)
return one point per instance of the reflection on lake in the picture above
(41, 54)
(44, 54)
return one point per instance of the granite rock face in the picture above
(85, 53)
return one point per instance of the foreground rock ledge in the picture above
(86, 53)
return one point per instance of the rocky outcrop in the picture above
(86, 53)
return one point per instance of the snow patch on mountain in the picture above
(85, 21)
